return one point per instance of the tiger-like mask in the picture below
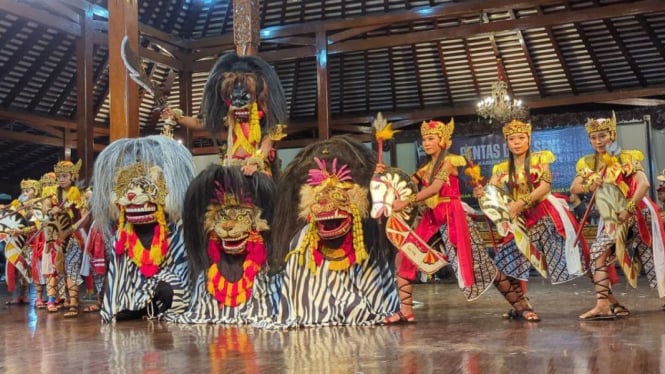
(138, 191)
(232, 224)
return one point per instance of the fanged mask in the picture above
(232, 223)
(139, 191)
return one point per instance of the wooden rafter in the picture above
(446, 76)
(657, 42)
(527, 56)
(592, 54)
(57, 72)
(624, 51)
(562, 61)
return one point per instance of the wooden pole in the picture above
(85, 116)
(123, 20)
(246, 27)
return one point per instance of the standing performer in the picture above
(140, 185)
(243, 94)
(226, 235)
(631, 230)
(334, 270)
(444, 216)
(63, 242)
(550, 233)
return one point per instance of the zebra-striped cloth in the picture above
(129, 291)
(364, 294)
(204, 308)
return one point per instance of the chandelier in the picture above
(500, 106)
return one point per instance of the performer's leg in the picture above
(73, 292)
(511, 289)
(601, 283)
(39, 300)
(52, 292)
(406, 273)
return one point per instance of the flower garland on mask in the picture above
(148, 261)
(228, 293)
(248, 143)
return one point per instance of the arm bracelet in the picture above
(631, 207)
(586, 189)
(527, 200)
(412, 199)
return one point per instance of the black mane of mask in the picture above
(260, 188)
(214, 108)
(360, 159)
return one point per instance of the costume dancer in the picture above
(63, 240)
(631, 231)
(550, 229)
(140, 187)
(333, 270)
(444, 219)
(226, 236)
(244, 96)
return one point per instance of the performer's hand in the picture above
(380, 168)
(168, 113)
(515, 208)
(623, 216)
(478, 191)
(399, 205)
(595, 184)
(249, 169)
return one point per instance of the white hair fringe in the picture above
(173, 158)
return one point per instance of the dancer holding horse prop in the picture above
(444, 223)
(539, 230)
(630, 230)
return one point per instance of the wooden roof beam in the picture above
(38, 121)
(527, 55)
(624, 51)
(464, 31)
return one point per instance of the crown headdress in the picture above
(600, 124)
(68, 167)
(516, 127)
(31, 183)
(441, 129)
(48, 179)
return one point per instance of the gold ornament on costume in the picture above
(516, 127)
(441, 129)
(31, 183)
(600, 124)
(137, 175)
(68, 167)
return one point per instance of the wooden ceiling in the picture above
(411, 60)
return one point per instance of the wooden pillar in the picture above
(123, 20)
(323, 100)
(185, 103)
(85, 116)
(246, 27)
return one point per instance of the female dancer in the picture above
(553, 249)
(644, 228)
(445, 216)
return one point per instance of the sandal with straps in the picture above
(527, 315)
(603, 292)
(402, 318)
(72, 311)
(405, 293)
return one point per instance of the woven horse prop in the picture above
(386, 187)
(14, 243)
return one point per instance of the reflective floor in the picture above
(450, 336)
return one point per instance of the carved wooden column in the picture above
(123, 20)
(246, 27)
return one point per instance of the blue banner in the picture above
(568, 145)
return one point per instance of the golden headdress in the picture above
(600, 124)
(516, 127)
(441, 129)
(68, 167)
(31, 183)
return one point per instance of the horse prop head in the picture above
(386, 187)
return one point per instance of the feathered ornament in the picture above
(473, 170)
(383, 131)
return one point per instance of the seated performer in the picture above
(444, 216)
(333, 270)
(550, 243)
(139, 188)
(244, 96)
(226, 235)
(631, 231)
